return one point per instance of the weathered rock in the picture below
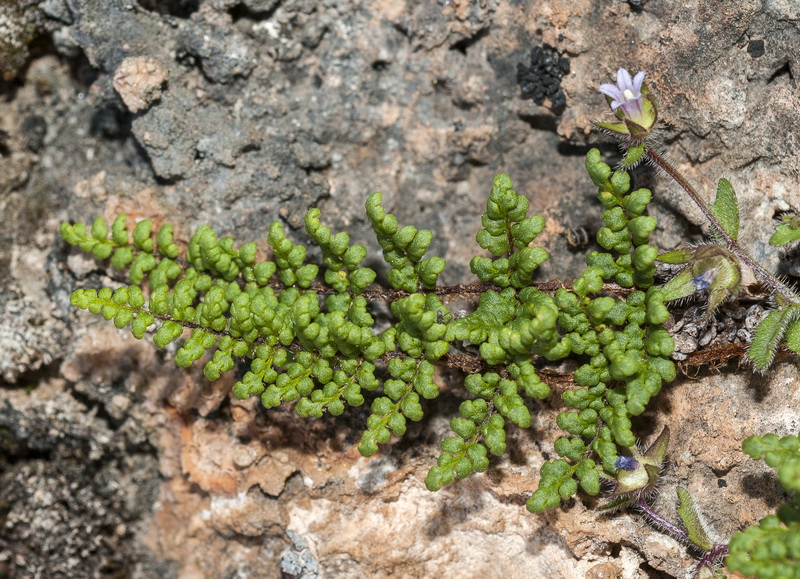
(138, 80)
(126, 463)
(20, 24)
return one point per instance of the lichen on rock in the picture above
(20, 24)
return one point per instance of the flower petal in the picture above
(638, 80)
(627, 101)
(613, 91)
(624, 81)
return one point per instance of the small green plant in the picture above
(715, 268)
(625, 348)
(635, 484)
(311, 342)
(771, 549)
(309, 339)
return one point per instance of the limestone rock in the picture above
(275, 107)
(139, 81)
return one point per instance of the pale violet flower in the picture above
(627, 94)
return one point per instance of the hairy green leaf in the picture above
(767, 336)
(726, 208)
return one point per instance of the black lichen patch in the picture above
(755, 48)
(542, 78)
(177, 8)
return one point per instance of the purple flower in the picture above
(626, 463)
(703, 281)
(627, 94)
(634, 106)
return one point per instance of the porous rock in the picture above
(275, 107)
(138, 80)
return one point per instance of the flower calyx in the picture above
(637, 475)
(633, 104)
(711, 268)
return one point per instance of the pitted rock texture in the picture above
(129, 466)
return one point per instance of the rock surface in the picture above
(112, 461)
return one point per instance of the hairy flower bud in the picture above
(711, 268)
(638, 473)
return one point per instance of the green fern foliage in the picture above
(788, 231)
(310, 340)
(309, 337)
(507, 234)
(404, 249)
(509, 328)
(626, 351)
(303, 334)
(771, 549)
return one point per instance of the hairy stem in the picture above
(709, 558)
(661, 523)
(769, 281)
(716, 554)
